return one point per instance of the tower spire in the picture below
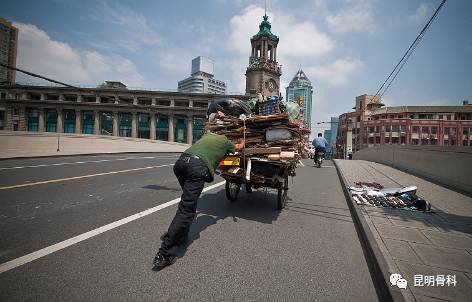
(265, 8)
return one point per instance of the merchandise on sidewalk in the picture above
(373, 194)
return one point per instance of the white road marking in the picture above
(87, 162)
(30, 184)
(4, 267)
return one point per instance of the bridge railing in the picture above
(448, 165)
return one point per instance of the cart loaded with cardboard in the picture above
(275, 140)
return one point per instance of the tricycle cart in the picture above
(267, 174)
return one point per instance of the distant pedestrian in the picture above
(349, 153)
(194, 167)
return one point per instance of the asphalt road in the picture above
(245, 251)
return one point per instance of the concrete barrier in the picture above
(14, 144)
(448, 165)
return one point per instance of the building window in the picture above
(446, 142)
(464, 143)
(416, 129)
(33, 120)
(88, 119)
(377, 140)
(400, 116)
(16, 111)
(387, 140)
(125, 124)
(395, 128)
(198, 127)
(162, 127)
(440, 116)
(424, 130)
(402, 128)
(106, 123)
(51, 120)
(69, 121)
(371, 140)
(414, 141)
(2, 118)
(434, 130)
(448, 117)
(424, 141)
(180, 129)
(15, 126)
(143, 125)
(453, 142)
(447, 130)
(395, 140)
(434, 141)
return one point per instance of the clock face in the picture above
(271, 85)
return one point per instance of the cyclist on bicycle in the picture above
(320, 144)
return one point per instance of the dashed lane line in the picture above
(87, 162)
(79, 177)
(66, 243)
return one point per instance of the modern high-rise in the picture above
(334, 129)
(300, 90)
(8, 47)
(201, 79)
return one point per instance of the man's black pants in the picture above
(192, 174)
(318, 149)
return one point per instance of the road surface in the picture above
(69, 232)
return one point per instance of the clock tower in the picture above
(263, 73)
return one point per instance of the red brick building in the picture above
(373, 124)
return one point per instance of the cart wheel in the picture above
(248, 188)
(232, 190)
(282, 194)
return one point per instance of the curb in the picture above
(86, 154)
(376, 262)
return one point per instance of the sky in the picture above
(346, 47)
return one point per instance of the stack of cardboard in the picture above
(270, 142)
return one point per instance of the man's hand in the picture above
(239, 145)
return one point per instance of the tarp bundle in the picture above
(232, 107)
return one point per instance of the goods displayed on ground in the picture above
(274, 143)
(374, 194)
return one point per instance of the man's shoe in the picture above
(161, 261)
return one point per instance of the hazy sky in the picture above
(346, 47)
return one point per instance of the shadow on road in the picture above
(258, 206)
(158, 187)
(444, 221)
(294, 207)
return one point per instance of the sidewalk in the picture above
(27, 144)
(418, 243)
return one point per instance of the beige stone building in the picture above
(110, 109)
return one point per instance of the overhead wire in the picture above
(37, 76)
(398, 67)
